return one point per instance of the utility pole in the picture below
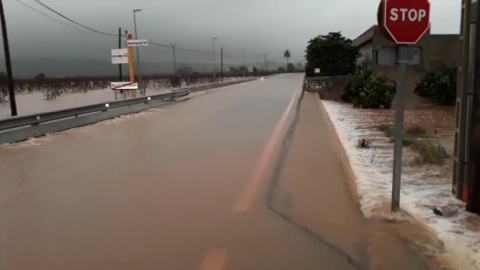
(221, 63)
(473, 199)
(8, 62)
(464, 79)
(214, 73)
(174, 58)
(120, 46)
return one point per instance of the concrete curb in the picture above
(344, 159)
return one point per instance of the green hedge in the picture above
(355, 84)
(368, 91)
(439, 85)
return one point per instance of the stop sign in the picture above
(405, 21)
(128, 37)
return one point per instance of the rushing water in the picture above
(423, 186)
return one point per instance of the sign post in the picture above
(403, 22)
(398, 131)
(130, 63)
(119, 57)
(138, 43)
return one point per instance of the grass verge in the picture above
(416, 137)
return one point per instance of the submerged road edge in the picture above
(278, 166)
(247, 196)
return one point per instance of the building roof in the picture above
(365, 37)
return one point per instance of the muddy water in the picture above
(153, 191)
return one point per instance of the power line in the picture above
(159, 44)
(103, 33)
(178, 48)
(191, 50)
(64, 23)
(98, 31)
(77, 23)
(108, 34)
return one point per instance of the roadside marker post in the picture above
(404, 22)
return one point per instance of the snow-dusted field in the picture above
(35, 102)
(423, 187)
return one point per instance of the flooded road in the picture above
(178, 187)
(156, 190)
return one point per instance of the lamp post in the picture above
(139, 70)
(243, 60)
(214, 73)
(263, 61)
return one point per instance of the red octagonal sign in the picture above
(405, 21)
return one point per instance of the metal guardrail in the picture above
(40, 118)
(21, 128)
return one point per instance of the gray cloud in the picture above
(269, 26)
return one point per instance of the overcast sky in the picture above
(270, 26)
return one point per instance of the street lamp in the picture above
(243, 60)
(137, 50)
(265, 61)
(265, 56)
(214, 73)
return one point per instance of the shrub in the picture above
(416, 131)
(387, 129)
(416, 138)
(430, 152)
(377, 93)
(355, 85)
(439, 85)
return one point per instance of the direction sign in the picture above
(137, 42)
(124, 86)
(404, 21)
(119, 60)
(119, 56)
(120, 52)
